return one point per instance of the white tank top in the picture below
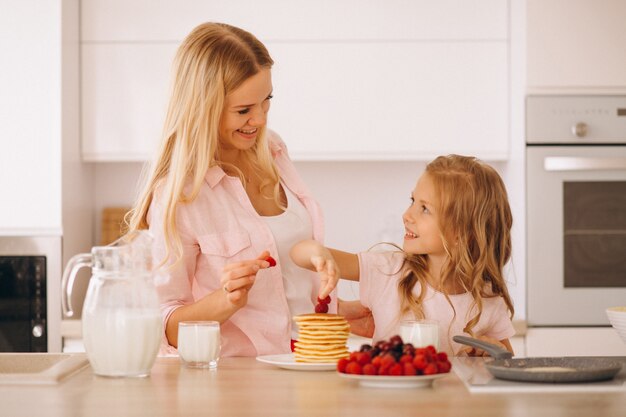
(288, 228)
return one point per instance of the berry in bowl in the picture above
(394, 364)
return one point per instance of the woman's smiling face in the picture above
(245, 112)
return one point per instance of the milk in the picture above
(420, 333)
(199, 343)
(122, 342)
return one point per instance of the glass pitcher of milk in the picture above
(122, 325)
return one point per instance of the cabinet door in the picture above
(30, 114)
(424, 80)
(574, 44)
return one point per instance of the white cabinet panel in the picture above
(574, 341)
(391, 100)
(124, 98)
(576, 44)
(337, 100)
(30, 114)
(158, 20)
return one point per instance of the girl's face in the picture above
(245, 112)
(421, 223)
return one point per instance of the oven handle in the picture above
(567, 163)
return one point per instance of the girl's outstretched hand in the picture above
(238, 278)
(329, 273)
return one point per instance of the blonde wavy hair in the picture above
(212, 61)
(472, 206)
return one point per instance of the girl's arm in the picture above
(331, 264)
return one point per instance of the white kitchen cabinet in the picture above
(30, 108)
(576, 45)
(574, 341)
(353, 80)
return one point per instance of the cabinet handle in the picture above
(566, 163)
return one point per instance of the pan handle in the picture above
(495, 351)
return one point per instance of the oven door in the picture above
(576, 233)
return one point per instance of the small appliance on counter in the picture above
(30, 312)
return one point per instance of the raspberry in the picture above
(396, 369)
(325, 300)
(406, 359)
(387, 359)
(431, 349)
(419, 362)
(363, 358)
(442, 356)
(377, 361)
(369, 369)
(409, 369)
(384, 369)
(431, 369)
(444, 367)
(321, 308)
(354, 368)
(271, 261)
(341, 365)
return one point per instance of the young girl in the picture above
(456, 243)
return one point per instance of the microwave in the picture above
(29, 269)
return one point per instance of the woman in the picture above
(223, 195)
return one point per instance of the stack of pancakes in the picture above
(321, 338)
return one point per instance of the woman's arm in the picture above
(237, 279)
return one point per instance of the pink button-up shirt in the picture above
(219, 227)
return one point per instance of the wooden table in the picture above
(245, 387)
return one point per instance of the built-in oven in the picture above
(30, 294)
(576, 208)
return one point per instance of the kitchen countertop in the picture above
(243, 386)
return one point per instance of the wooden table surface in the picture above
(245, 387)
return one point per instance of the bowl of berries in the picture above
(394, 364)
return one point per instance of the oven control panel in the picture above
(579, 120)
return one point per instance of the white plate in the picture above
(386, 381)
(287, 361)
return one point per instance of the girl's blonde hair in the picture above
(212, 61)
(473, 207)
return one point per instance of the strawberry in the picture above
(271, 261)
(442, 356)
(341, 364)
(321, 308)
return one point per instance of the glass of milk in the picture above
(199, 343)
(420, 333)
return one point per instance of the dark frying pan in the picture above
(557, 369)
